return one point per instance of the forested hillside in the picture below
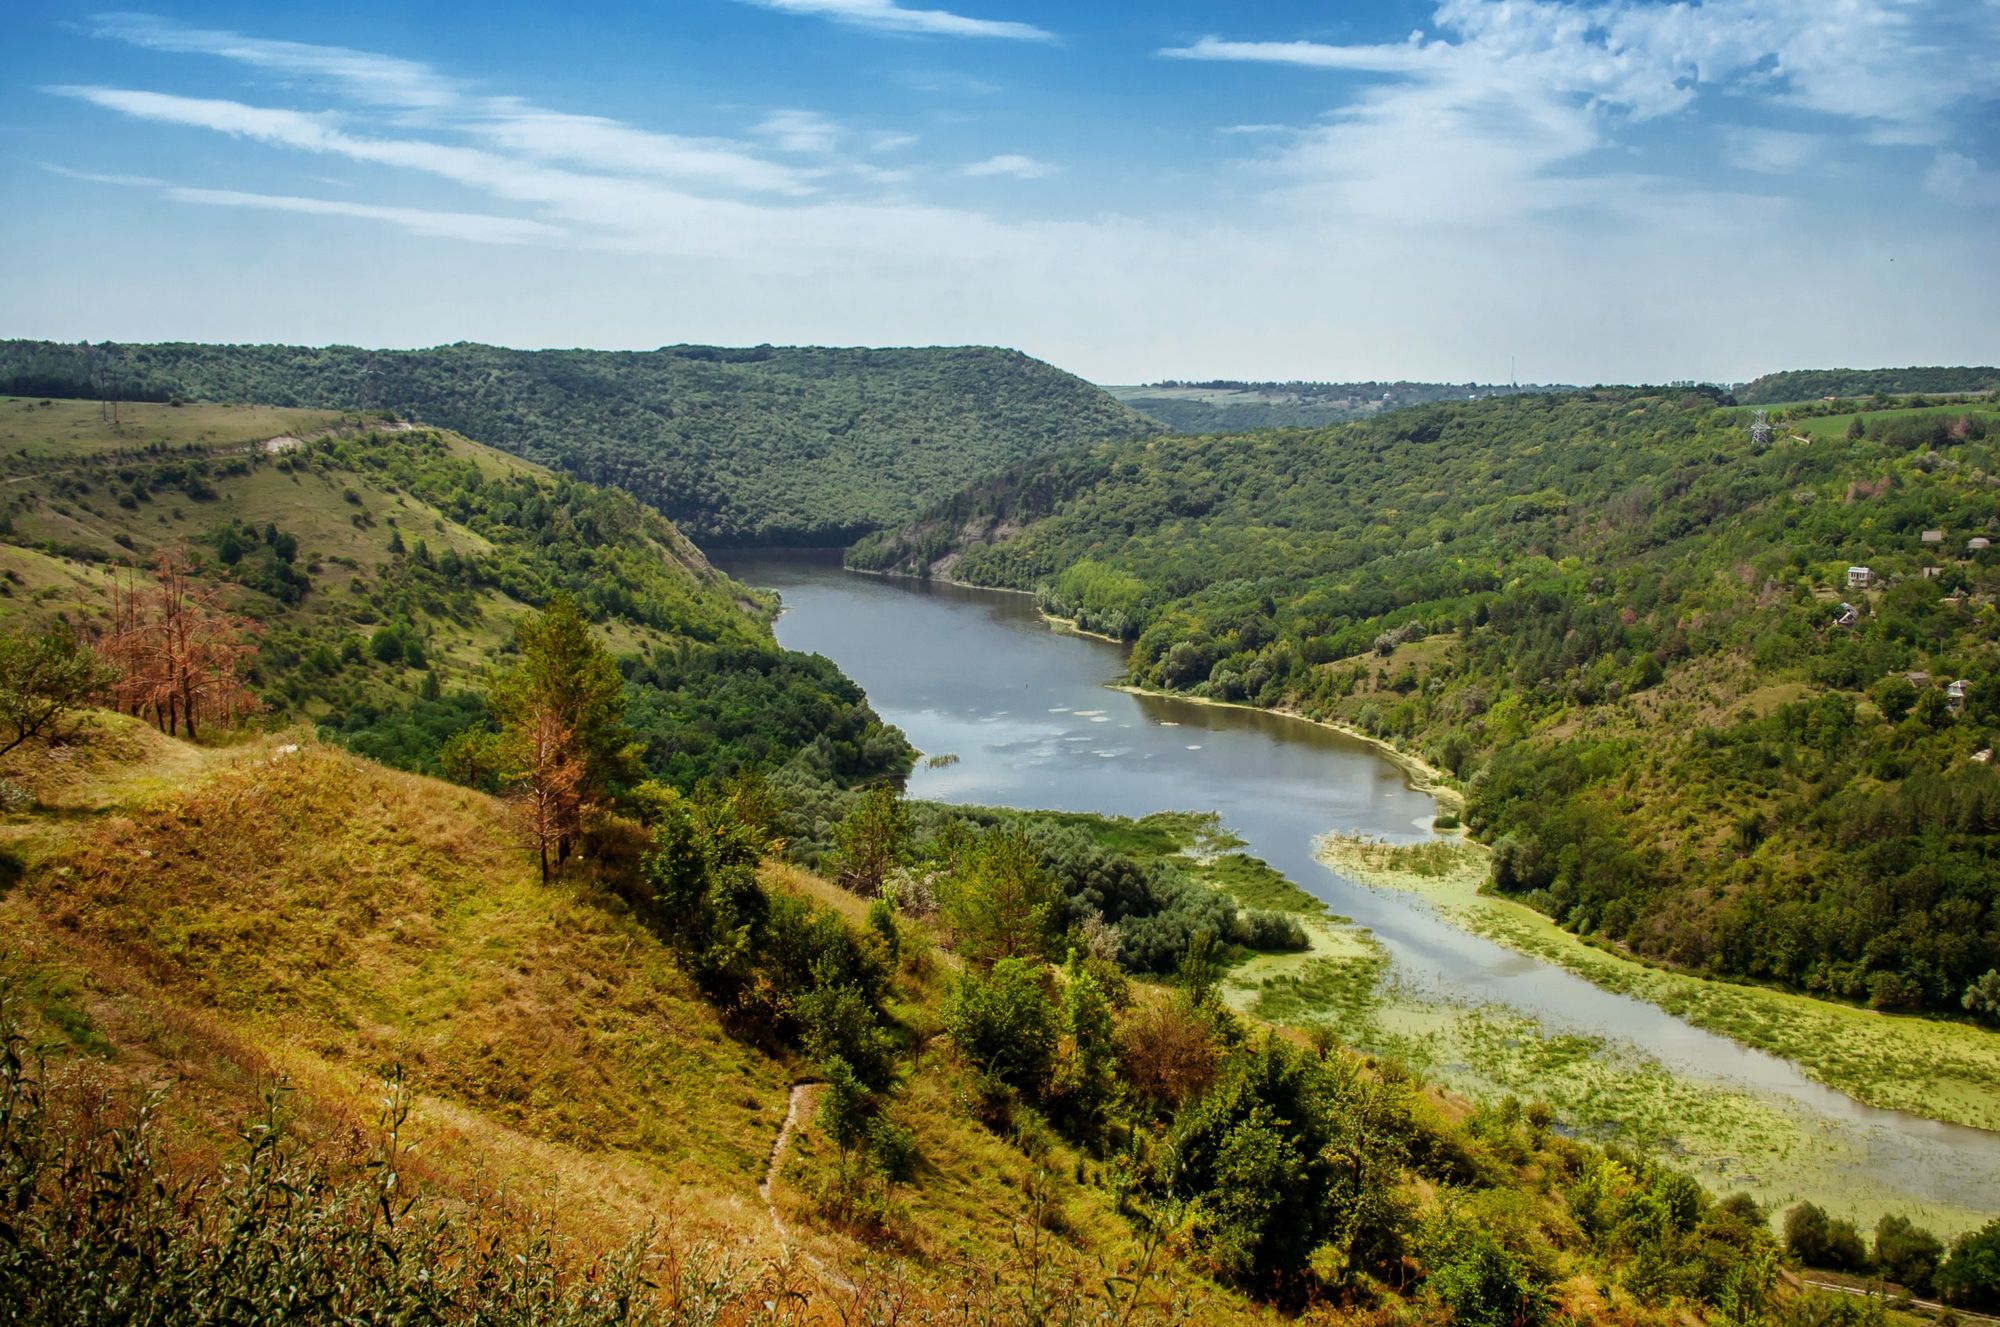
(1816, 384)
(770, 445)
(375, 572)
(1624, 619)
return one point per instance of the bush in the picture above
(1004, 1024)
(1817, 1240)
(1970, 1277)
(1907, 1253)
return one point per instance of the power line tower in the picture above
(1760, 431)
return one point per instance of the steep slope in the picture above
(286, 918)
(386, 566)
(771, 445)
(1618, 617)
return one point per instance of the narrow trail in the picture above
(805, 1096)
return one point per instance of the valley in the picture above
(803, 863)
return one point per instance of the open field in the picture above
(37, 429)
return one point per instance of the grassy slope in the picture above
(62, 467)
(218, 918)
(770, 445)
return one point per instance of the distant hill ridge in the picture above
(754, 445)
(1813, 384)
(1226, 405)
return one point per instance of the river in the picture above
(1027, 711)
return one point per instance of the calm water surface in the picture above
(976, 673)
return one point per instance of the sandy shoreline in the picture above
(1423, 776)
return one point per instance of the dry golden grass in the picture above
(300, 910)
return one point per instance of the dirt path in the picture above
(1931, 1306)
(805, 1096)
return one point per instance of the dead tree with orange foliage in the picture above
(549, 798)
(181, 656)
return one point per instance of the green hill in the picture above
(768, 445)
(386, 566)
(1818, 384)
(1622, 620)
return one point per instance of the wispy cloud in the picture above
(474, 227)
(888, 16)
(508, 124)
(1012, 165)
(382, 80)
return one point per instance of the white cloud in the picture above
(1508, 107)
(1012, 165)
(1957, 178)
(1769, 151)
(888, 16)
(608, 145)
(800, 131)
(891, 142)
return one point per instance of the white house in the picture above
(1933, 536)
(1859, 578)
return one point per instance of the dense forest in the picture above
(380, 569)
(1625, 619)
(1817, 384)
(766, 445)
(1224, 405)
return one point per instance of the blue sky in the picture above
(1607, 191)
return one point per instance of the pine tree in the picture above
(562, 713)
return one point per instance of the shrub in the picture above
(1004, 1024)
(1970, 1277)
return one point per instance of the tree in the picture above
(566, 691)
(1970, 1278)
(473, 757)
(1284, 1155)
(1086, 1074)
(1004, 1024)
(1982, 995)
(44, 680)
(1001, 903)
(1907, 1254)
(1894, 696)
(178, 653)
(549, 800)
(1818, 1240)
(870, 841)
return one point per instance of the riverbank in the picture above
(1066, 626)
(1421, 775)
(1929, 1067)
